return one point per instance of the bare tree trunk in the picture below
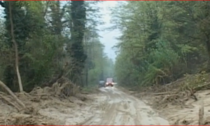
(16, 50)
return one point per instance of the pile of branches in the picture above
(180, 91)
(62, 89)
(27, 112)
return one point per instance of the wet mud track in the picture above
(114, 107)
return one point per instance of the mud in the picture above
(115, 107)
(110, 106)
(185, 113)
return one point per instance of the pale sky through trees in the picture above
(107, 37)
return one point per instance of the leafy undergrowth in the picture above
(194, 82)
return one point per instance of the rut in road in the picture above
(118, 108)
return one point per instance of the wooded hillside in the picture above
(161, 40)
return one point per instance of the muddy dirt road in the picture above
(109, 106)
(114, 107)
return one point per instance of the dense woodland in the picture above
(161, 41)
(42, 41)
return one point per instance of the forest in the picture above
(42, 41)
(161, 41)
(52, 61)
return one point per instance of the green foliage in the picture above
(98, 65)
(42, 28)
(42, 59)
(160, 41)
(76, 49)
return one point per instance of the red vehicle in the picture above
(109, 82)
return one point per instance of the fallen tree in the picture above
(12, 94)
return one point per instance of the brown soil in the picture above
(49, 106)
(183, 102)
(44, 106)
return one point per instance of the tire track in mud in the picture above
(110, 111)
(145, 113)
(129, 111)
(119, 108)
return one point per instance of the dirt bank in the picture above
(47, 111)
(186, 113)
(182, 101)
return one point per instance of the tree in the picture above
(22, 29)
(78, 15)
(41, 31)
(202, 18)
(16, 49)
(161, 41)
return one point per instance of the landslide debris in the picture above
(185, 101)
(29, 108)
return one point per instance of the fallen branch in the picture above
(11, 93)
(9, 102)
(164, 93)
(59, 76)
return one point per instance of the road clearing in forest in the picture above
(109, 106)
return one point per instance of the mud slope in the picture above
(114, 107)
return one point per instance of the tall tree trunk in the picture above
(16, 50)
(208, 50)
(78, 15)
